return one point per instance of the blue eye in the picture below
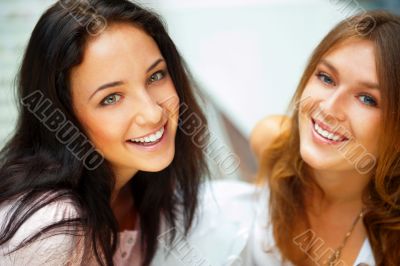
(111, 99)
(368, 100)
(157, 76)
(325, 78)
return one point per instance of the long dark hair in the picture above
(34, 161)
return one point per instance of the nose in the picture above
(334, 105)
(149, 113)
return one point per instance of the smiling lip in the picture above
(327, 128)
(164, 126)
(150, 146)
(320, 139)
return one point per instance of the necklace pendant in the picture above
(334, 258)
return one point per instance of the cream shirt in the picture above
(261, 250)
(231, 228)
(218, 235)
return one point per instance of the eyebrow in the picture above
(370, 85)
(120, 82)
(154, 65)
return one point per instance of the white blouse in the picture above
(261, 250)
(220, 231)
(59, 249)
(218, 235)
(47, 250)
(230, 229)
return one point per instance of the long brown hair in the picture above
(286, 170)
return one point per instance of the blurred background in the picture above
(247, 56)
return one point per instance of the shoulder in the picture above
(41, 216)
(227, 190)
(230, 201)
(224, 220)
(266, 131)
(51, 247)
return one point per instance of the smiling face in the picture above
(340, 109)
(125, 99)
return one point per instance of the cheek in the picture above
(171, 104)
(366, 127)
(103, 130)
(102, 139)
(307, 104)
(167, 97)
(309, 98)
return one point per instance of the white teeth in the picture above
(326, 134)
(151, 138)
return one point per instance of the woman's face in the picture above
(340, 115)
(126, 101)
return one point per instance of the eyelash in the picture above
(151, 80)
(108, 97)
(322, 75)
(162, 72)
(374, 102)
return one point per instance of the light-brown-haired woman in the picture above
(332, 167)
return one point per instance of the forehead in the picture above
(122, 51)
(120, 41)
(354, 57)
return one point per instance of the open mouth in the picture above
(150, 139)
(332, 137)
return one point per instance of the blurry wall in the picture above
(17, 19)
(249, 54)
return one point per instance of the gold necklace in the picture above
(335, 257)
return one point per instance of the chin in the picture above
(157, 166)
(325, 163)
(313, 160)
(155, 169)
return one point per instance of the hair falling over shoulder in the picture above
(34, 161)
(285, 170)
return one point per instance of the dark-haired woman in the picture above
(101, 168)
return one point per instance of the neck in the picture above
(124, 209)
(340, 189)
(122, 178)
(122, 202)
